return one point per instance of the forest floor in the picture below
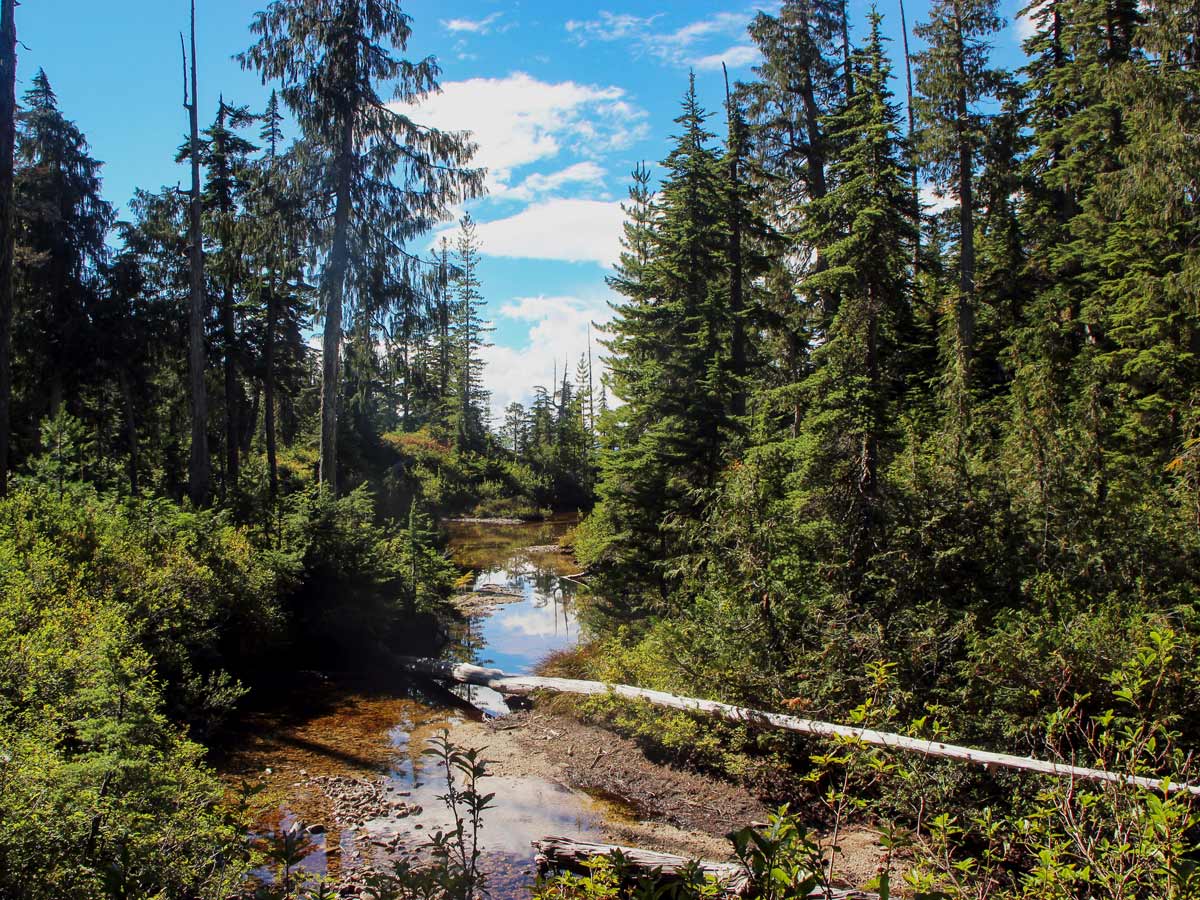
(648, 804)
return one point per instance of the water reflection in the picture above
(351, 733)
(517, 634)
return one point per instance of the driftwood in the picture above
(527, 684)
(565, 854)
(573, 856)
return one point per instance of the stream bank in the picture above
(342, 757)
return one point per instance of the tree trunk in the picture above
(249, 419)
(526, 685)
(965, 324)
(8, 135)
(815, 157)
(406, 391)
(269, 388)
(198, 466)
(816, 141)
(335, 286)
(848, 69)
(131, 434)
(912, 136)
(232, 401)
(443, 328)
(736, 275)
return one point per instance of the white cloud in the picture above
(677, 47)
(933, 202)
(471, 26)
(735, 57)
(558, 335)
(609, 27)
(1024, 23)
(569, 230)
(718, 23)
(1025, 27)
(538, 185)
(519, 120)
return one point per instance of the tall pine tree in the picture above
(387, 179)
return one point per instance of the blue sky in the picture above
(564, 99)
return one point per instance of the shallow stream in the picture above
(348, 759)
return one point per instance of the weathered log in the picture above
(569, 855)
(565, 854)
(528, 684)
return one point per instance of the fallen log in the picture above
(522, 685)
(564, 854)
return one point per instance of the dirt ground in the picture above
(647, 804)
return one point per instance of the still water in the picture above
(522, 575)
(348, 740)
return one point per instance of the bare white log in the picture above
(527, 684)
(571, 855)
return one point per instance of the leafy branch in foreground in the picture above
(453, 870)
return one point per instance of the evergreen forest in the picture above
(896, 423)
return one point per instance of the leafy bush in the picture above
(110, 615)
(124, 621)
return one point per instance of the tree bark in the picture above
(198, 465)
(912, 136)
(443, 327)
(848, 68)
(736, 274)
(269, 387)
(567, 854)
(8, 136)
(335, 286)
(815, 155)
(131, 434)
(965, 324)
(249, 419)
(232, 401)
(524, 685)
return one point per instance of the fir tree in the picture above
(864, 228)
(225, 156)
(8, 114)
(470, 399)
(670, 358)
(199, 465)
(388, 179)
(953, 81)
(63, 224)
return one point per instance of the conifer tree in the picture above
(442, 315)
(8, 114)
(797, 84)
(387, 179)
(1001, 287)
(199, 465)
(1144, 222)
(469, 414)
(63, 224)
(1058, 433)
(514, 430)
(863, 226)
(225, 155)
(737, 190)
(269, 193)
(954, 79)
(670, 356)
(800, 81)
